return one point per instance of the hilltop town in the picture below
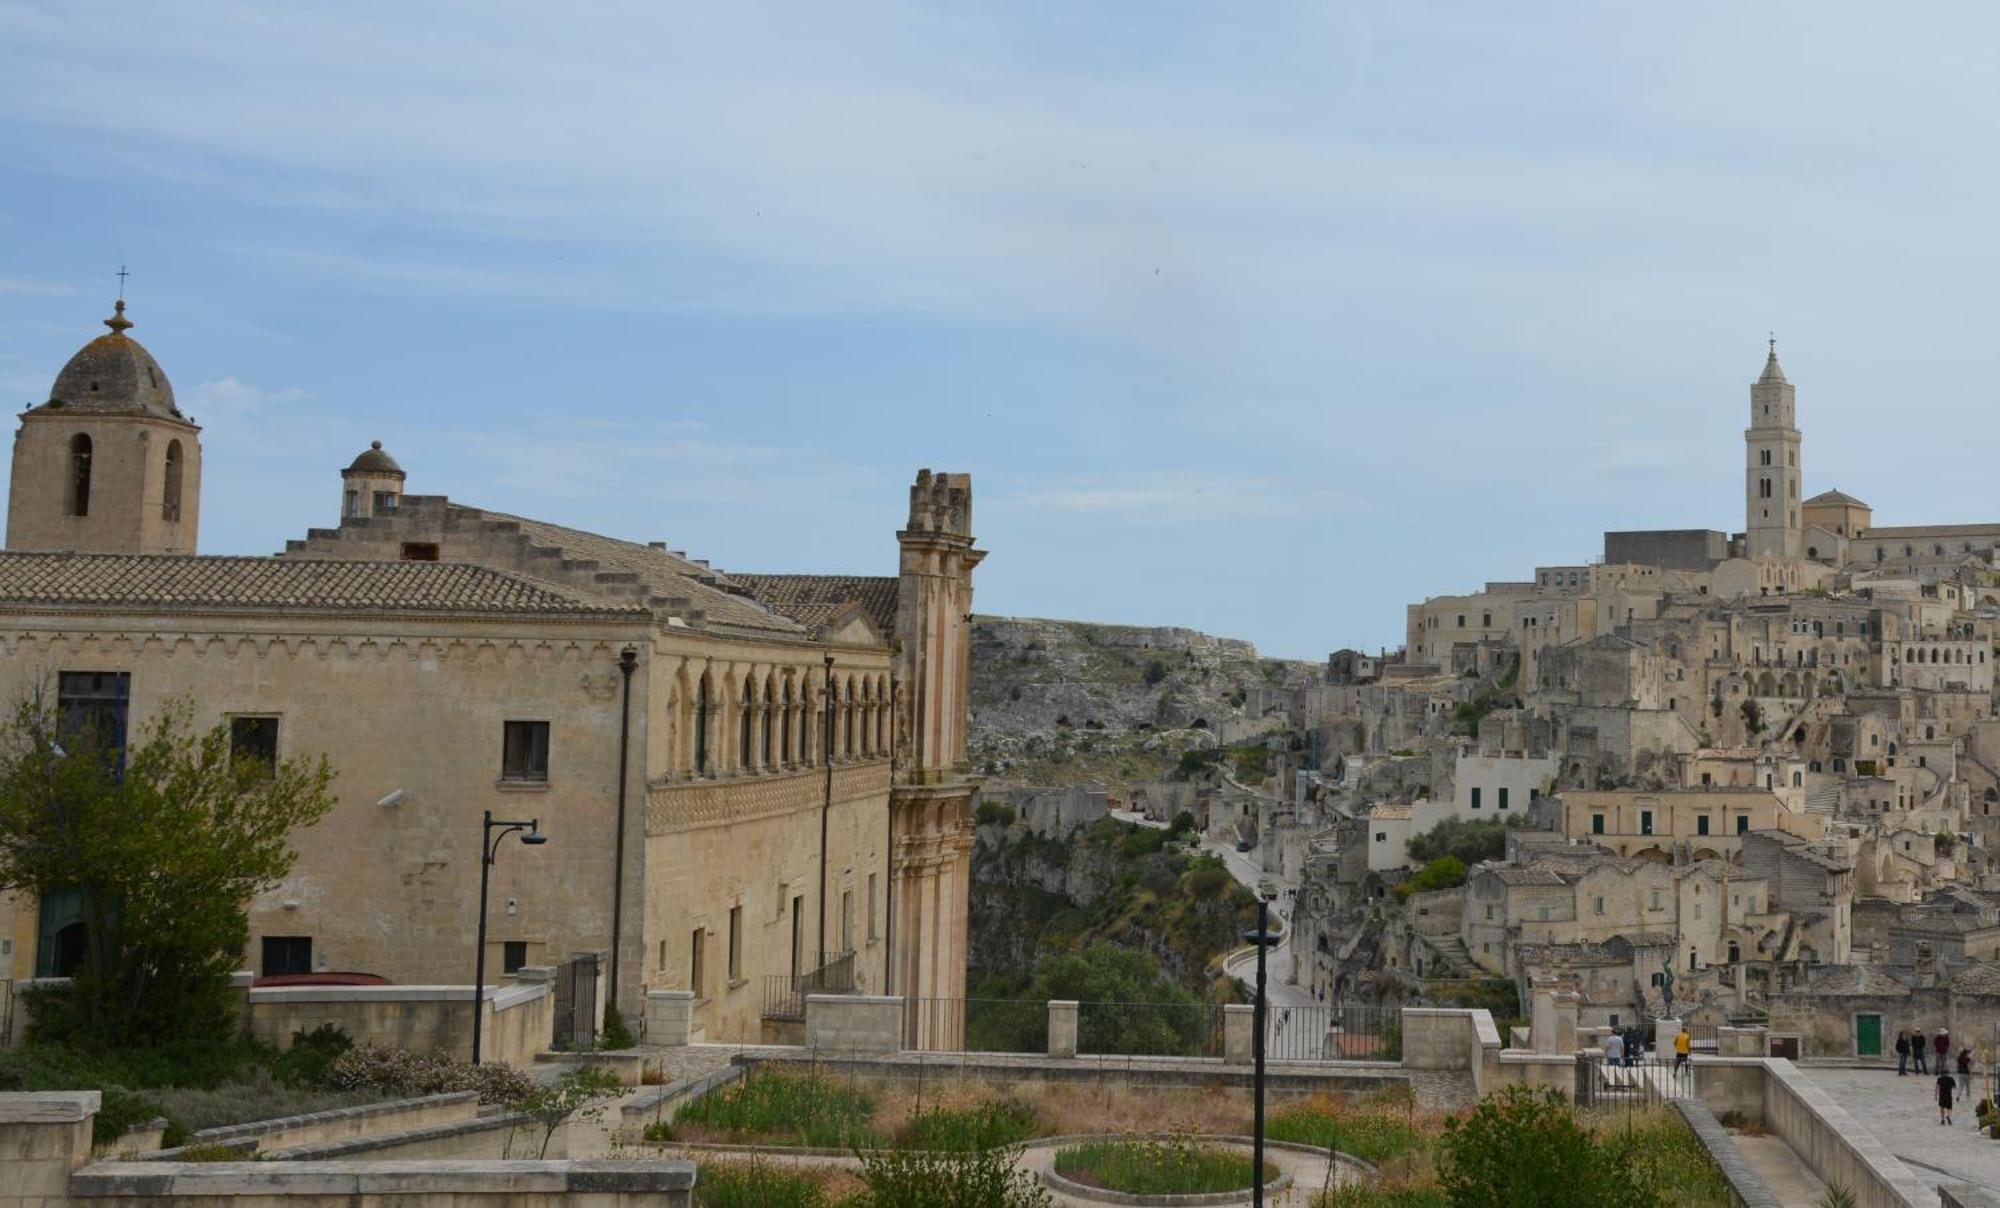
(1741, 778)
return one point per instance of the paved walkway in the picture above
(1780, 1168)
(1902, 1115)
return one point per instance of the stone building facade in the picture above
(744, 779)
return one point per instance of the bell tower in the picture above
(108, 465)
(1772, 526)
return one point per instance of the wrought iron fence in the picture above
(1649, 1080)
(976, 1025)
(1333, 1032)
(785, 993)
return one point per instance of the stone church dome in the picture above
(374, 461)
(114, 375)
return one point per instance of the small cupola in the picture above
(371, 485)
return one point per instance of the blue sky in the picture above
(1262, 319)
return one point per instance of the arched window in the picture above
(1735, 952)
(847, 723)
(743, 753)
(170, 498)
(770, 705)
(701, 727)
(79, 475)
(785, 738)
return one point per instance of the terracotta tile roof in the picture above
(814, 600)
(663, 572)
(1855, 979)
(200, 582)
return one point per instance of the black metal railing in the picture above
(785, 993)
(976, 1025)
(1149, 1029)
(1650, 1080)
(1333, 1032)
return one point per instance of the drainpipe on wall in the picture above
(628, 661)
(826, 807)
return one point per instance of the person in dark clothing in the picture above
(1633, 1043)
(1943, 1045)
(1902, 1053)
(1944, 1090)
(1965, 1071)
(1918, 1052)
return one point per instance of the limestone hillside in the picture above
(1064, 702)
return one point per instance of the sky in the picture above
(1265, 320)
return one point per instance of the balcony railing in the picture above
(785, 993)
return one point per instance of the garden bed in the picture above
(1180, 1167)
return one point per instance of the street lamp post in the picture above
(489, 847)
(1262, 938)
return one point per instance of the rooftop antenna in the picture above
(122, 274)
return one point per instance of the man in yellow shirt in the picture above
(1682, 1044)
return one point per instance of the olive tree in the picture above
(165, 841)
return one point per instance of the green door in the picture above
(1868, 1035)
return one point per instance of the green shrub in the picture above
(789, 1109)
(1445, 872)
(1155, 672)
(615, 1034)
(213, 1151)
(1182, 824)
(1525, 1146)
(923, 1178)
(311, 1056)
(120, 1112)
(757, 1184)
(399, 1072)
(994, 813)
(1470, 841)
(1373, 1196)
(993, 1123)
(1209, 881)
(1173, 1166)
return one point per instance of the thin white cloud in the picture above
(233, 400)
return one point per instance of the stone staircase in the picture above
(1825, 799)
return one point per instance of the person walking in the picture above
(1917, 1051)
(1965, 1070)
(1683, 1045)
(1614, 1048)
(1902, 1053)
(1944, 1091)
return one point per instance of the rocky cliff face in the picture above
(1084, 702)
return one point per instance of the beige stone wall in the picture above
(347, 1123)
(518, 1021)
(754, 845)
(127, 486)
(415, 705)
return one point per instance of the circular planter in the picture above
(1100, 1195)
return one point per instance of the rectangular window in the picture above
(798, 934)
(1701, 824)
(256, 739)
(93, 706)
(385, 501)
(1475, 798)
(1598, 905)
(873, 933)
(513, 955)
(1645, 822)
(847, 920)
(735, 943)
(524, 751)
(1502, 805)
(352, 506)
(420, 551)
(285, 954)
(697, 979)
(1597, 824)
(1742, 827)
(1655, 900)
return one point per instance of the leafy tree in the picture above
(1525, 1146)
(1445, 872)
(1469, 841)
(1155, 672)
(165, 842)
(1753, 717)
(1182, 824)
(1170, 1021)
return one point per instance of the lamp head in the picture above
(535, 837)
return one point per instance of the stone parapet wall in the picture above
(1832, 1145)
(854, 1023)
(1747, 1188)
(397, 1184)
(519, 1020)
(44, 1135)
